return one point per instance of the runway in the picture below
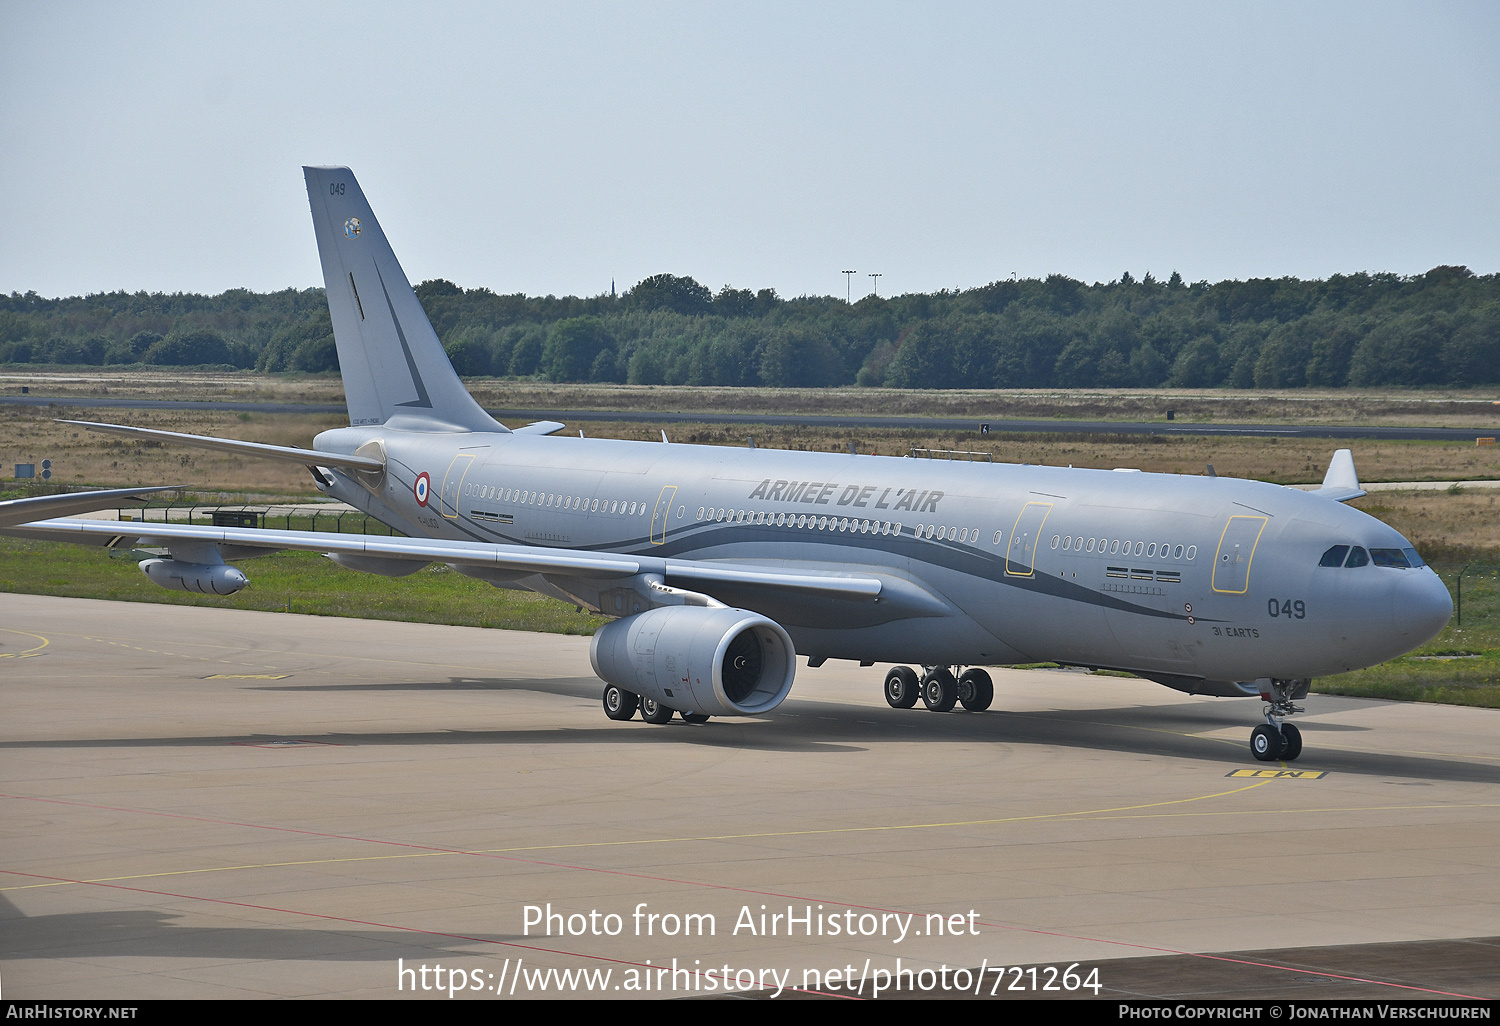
(203, 803)
(998, 425)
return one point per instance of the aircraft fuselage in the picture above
(1213, 579)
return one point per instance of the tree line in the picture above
(1441, 328)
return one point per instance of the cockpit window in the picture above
(1389, 557)
(1357, 557)
(1412, 557)
(1334, 556)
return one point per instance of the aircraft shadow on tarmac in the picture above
(803, 725)
(147, 934)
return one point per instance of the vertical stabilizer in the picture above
(392, 362)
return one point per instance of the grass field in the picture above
(298, 582)
(1432, 408)
(79, 456)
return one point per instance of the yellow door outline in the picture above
(1231, 553)
(448, 500)
(1019, 537)
(661, 514)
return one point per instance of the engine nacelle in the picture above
(712, 660)
(205, 578)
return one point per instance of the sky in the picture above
(551, 148)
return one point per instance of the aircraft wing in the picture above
(22, 511)
(552, 562)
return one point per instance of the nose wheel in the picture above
(1266, 743)
(1275, 739)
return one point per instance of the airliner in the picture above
(719, 565)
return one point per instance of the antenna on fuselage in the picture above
(663, 434)
(1211, 471)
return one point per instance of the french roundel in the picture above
(421, 488)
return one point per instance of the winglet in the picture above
(1341, 483)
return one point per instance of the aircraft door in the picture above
(453, 483)
(1231, 574)
(661, 514)
(1020, 556)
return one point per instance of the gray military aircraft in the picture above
(720, 565)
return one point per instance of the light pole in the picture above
(876, 284)
(849, 285)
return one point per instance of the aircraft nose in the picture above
(1420, 607)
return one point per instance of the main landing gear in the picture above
(620, 704)
(939, 690)
(1275, 739)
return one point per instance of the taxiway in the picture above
(227, 804)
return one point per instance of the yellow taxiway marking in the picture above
(1102, 814)
(1279, 773)
(247, 676)
(27, 653)
(659, 840)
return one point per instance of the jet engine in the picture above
(712, 660)
(208, 579)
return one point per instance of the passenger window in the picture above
(1334, 556)
(1357, 557)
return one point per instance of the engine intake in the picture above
(717, 661)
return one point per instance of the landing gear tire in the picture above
(653, 711)
(1293, 738)
(939, 690)
(691, 717)
(619, 704)
(975, 690)
(901, 688)
(1267, 743)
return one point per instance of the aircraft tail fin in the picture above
(393, 365)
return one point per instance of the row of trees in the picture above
(1438, 328)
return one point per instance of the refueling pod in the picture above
(711, 660)
(206, 578)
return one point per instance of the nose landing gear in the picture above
(1276, 739)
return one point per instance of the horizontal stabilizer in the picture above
(261, 450)
(541, 427)
(45, 507)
